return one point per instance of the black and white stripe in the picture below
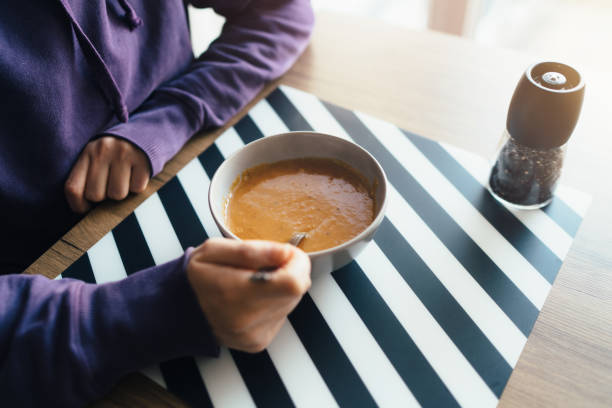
(434, 312)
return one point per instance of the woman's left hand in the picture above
(108, 167)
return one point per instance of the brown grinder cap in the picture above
(545, 105)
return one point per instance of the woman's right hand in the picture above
(245, 314)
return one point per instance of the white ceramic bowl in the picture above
(295, 145)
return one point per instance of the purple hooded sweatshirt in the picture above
(70, 71)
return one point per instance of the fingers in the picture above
(290, 266)
(139, 179)
(251, 255)
(119, 180)
(97, 178)
(294, 275)
(108, 167)
(74, 188)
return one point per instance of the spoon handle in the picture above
(297, 238)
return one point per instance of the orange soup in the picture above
(324, 198)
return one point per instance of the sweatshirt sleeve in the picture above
(65, 342)
(260, 40)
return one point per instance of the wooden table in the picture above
(452, 90)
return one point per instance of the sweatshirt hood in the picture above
(102, 74)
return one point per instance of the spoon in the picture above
(297, 238)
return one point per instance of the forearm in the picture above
(73, 341)
(259, 42)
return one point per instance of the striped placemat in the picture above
(434, 312)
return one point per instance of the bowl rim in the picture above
(373, 225)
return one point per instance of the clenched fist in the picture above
(108, 167)
(246, 314)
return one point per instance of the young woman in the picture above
(96, 96)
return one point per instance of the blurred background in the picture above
(576, 32)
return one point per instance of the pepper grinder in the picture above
(541, 118)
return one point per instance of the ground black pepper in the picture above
(524, 175)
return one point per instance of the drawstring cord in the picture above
(101, 71)
(130, 15)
